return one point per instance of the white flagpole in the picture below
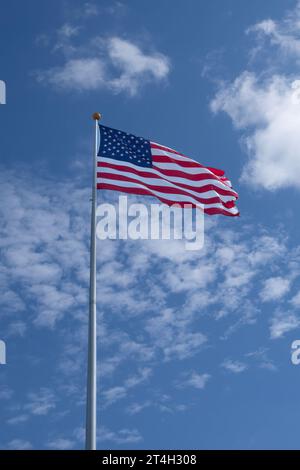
(91, 403)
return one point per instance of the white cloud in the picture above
(38, 403)
(295, 301)
(47, 296)
(41, 403)
(275, 288)
(269, 112)
(40, 221)
(68, 30)
(51, 228)
(136, 408)
(136, 66)
(188, 277)
(117, 393)
(198, 381)
(16, 328)
(61, 444)
(5, 393)
(19, 444)
(234, 366)
(283, 323)
(78, 74)
(284, 34)
(265, 106)
(124, 436)
(262, 359)
(267, 27)
(171, 332)
(115, 64)
(22, 418)
(90, 9)
(161, 402)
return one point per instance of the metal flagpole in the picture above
(91, 403)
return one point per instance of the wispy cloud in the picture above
(283, 323)
(114, 394)
(282, 35)
(260, 356)
(41, 403)
(234, 366)
(61, 443)
(275, 288)
(49, 233)
(196, 380)
(19, 444)
(123, 436)
(162, 402)
(22, 418)
(5, 393)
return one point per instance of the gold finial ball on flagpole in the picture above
(96, 116)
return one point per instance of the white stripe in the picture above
(174, 156)
(158, 153)
(163, 166)
(175, 179)
(161, 182)
(179, 158)
(228, 182)
(170, 197)
(185, 169)
(163, 146)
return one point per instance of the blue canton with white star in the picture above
(125, 147)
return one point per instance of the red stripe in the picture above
(164, 158)
(166, 149)
(213, 211)
(216, 171)
(169, 190)
(208, 187)
(144, 174)
(187, 164)
(175, 173)
(183, 163)
(145, 192)
(192, 177)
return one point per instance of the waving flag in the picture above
(135, 165)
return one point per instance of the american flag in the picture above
(136, 165)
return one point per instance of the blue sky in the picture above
(195, 347)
